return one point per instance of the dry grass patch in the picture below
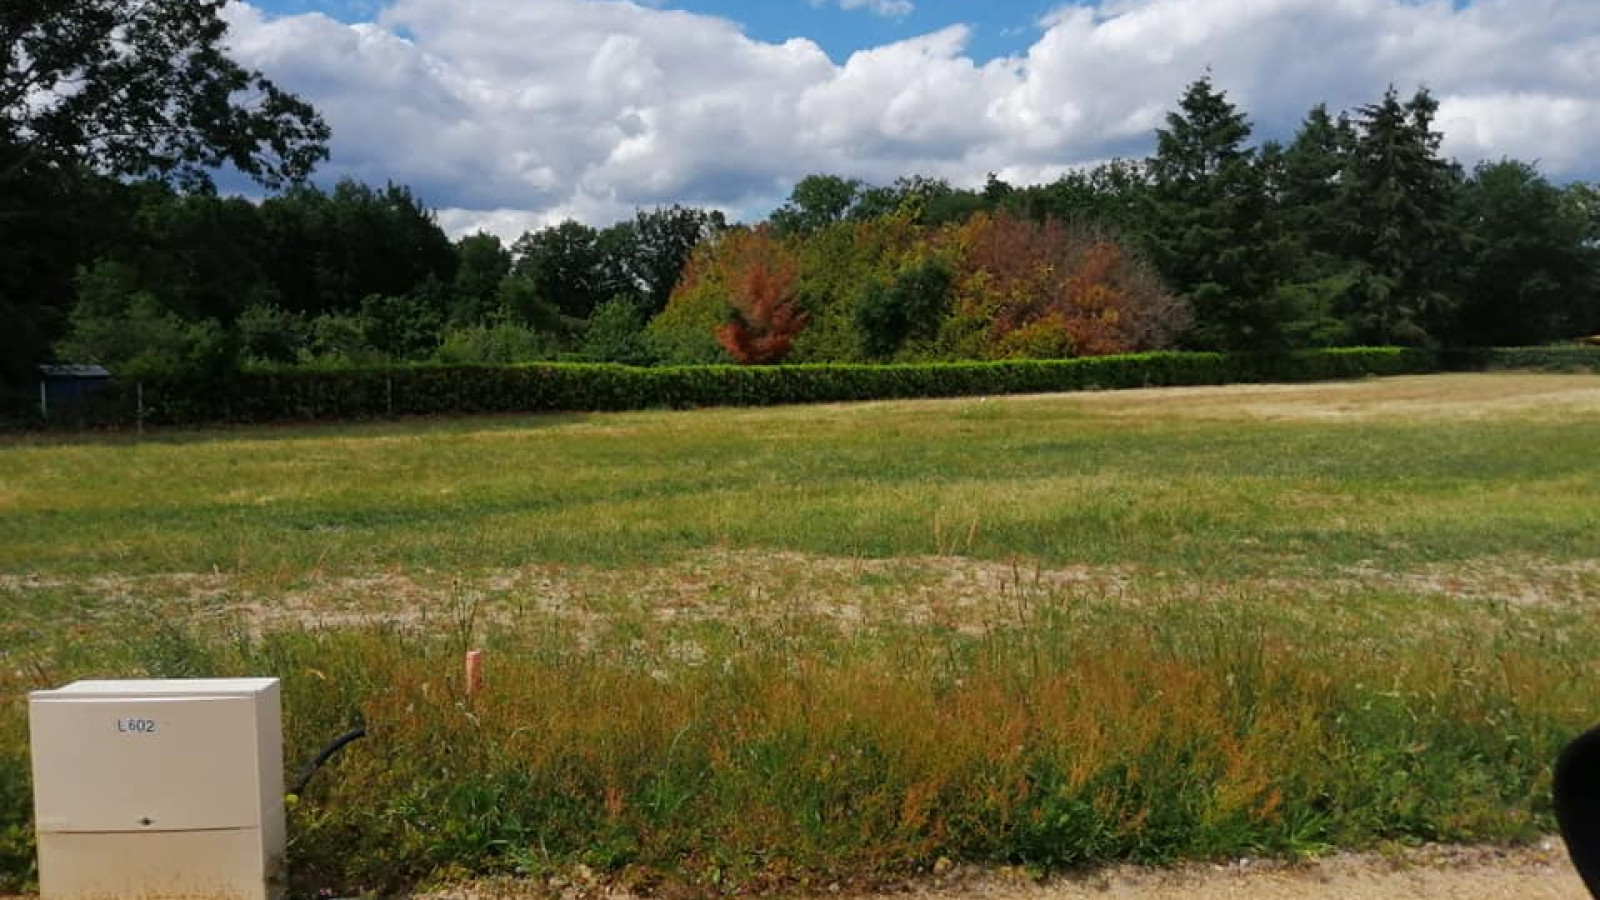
(1458, 397)
(760, 589)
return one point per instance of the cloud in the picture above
(505, 113)
(893, 9)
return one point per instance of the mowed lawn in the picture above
(1250, 480)
(774, 648)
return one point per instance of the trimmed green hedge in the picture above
(313, 394)
(303, 394)
(1561, 358)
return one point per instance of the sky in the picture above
(508, 115)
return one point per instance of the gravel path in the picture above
(1536, 873)
(1541, 872)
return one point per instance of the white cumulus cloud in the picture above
(507, 114)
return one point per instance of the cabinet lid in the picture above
(160, 687)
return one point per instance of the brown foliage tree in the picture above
(1048, 290)
(766, 318)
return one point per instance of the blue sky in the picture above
(999, 27)
(513, 114)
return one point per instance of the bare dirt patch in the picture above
(757, 588)
(1515, 582)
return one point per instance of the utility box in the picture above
(159, 789)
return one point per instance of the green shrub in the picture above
(503, 341)
(615, 334)
(337, 392)
(136, 334)
(910, 309)
(306, 393)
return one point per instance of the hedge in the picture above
(1578, 357)
(310, 394)
(322, 394)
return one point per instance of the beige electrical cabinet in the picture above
(159, 789)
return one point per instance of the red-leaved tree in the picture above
(766, 318)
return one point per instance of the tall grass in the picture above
(1089, 732)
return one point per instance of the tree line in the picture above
(119, 250)
(1356, 231)
(353, 276)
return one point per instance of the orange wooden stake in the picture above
(474, 672)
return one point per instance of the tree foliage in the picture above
(616, 334)
(482, 262)
(1396, 200)
(1209, 235)
(910, 308)
(1029, 288)
(94, 91)
(1529, 260)
(765, 319)
(142, 88)
(816, 202)
(1355, 231)
(131, 330)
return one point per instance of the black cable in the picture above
(1576, 790)
(326, 754)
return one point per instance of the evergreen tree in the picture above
(1305, 181)
(1208, 234)
(1308, 191)
(1397, 197)
(1528, 267)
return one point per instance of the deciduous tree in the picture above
(126, 88)
(1528, 269)
(815, 202)
(565, 266)
(142, 88)
(766, 320)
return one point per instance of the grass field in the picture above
(751, 647)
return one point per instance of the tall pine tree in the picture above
(1307, 222)
(1398, 194)
(1208, 232)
